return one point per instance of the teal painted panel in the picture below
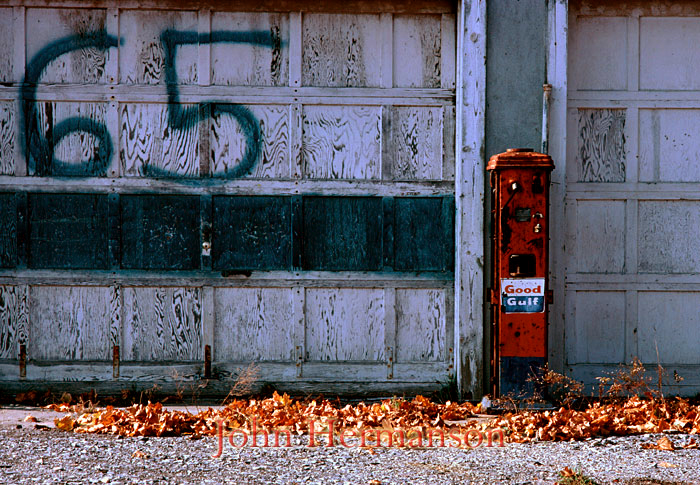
(252, 233)
(160, 232)
(68, 231)
(423, 234)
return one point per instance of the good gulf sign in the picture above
(522, 295)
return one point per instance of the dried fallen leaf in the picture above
(567, 472)
(66, 423)
(665, 444)
(665, 464)
(691, 445)
(140, 454)
(30, 419)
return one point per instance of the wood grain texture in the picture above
(78, 147)
(601, 145)
(344, 324)
(85, 65)
(417, 55)
(8, 231)
(141, 57)
(69, 323)
(7, 45)
(160, 232)
(8, 138)
(253, 325)
(68, 231)
(245, 64)
(341, 50)
(14, 320)
(162, 324)
(422, 236)
(228, 142)
(252, 233)
(600, 236)
(421, 323)
(668, 231)
(341, 142)
(149, 146)
(115, 314)
(416, 135)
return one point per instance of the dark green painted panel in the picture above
(252, 233)
(160, 232)
(8, 231)
(68, 231)
(422, 235)
(342, 233)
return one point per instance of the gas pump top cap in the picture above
(520, 158)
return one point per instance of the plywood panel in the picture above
(341, 50)
(78, 153)
(421, 322)
(8, 231)
(599, 327)
(669, 150)
(668, 235)
(8, 137)
(600, 236)
(423, 233)
(68, 231)
(601, 145)
(69, 323)
(345, 324)
(45, 26)
(416, 136)
(669, 320)
(253, 324)
(247, 65)
(150, 146)
(252, 233)
(14, 329)
(601, 41)
(417, 56)
(162, 324)
(230, 142)
(7, 46)
(668, 56)
(341, 142)
(142, 57)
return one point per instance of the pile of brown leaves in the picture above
(633, 416)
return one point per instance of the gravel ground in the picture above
(39, 453)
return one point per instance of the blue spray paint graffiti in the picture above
(40, 144)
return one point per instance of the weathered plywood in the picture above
(341, 50)
(599, 333)
(668, 58)
(252, 233)
(14, 329)
(46, 26)
(421, 323)
(668, 235)
(669, 149)
(600, 41)
(344, 324)
(8, 231)
(600, 236)
(69, 323)
(142, 57)
(417, 55)
(162, 324)
(253, 324)
(229, 142)
(669, 321)
(7, 134)
(160, 232)
(7, 45)
(342, 233)
(601, 145)
(68, 231)
(423, 233)
(341, 142)
(416, 136)
(80, 152)
(247, 65)
(151, 146)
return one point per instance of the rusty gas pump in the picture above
(520, 250)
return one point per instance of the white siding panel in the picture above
(417, 140)
(669, 148)
(599, 327)
(420, 325)
(601, 43)
(417, 51)
(670, 321)
(600, 236)
(669, 57)
(7, 45)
